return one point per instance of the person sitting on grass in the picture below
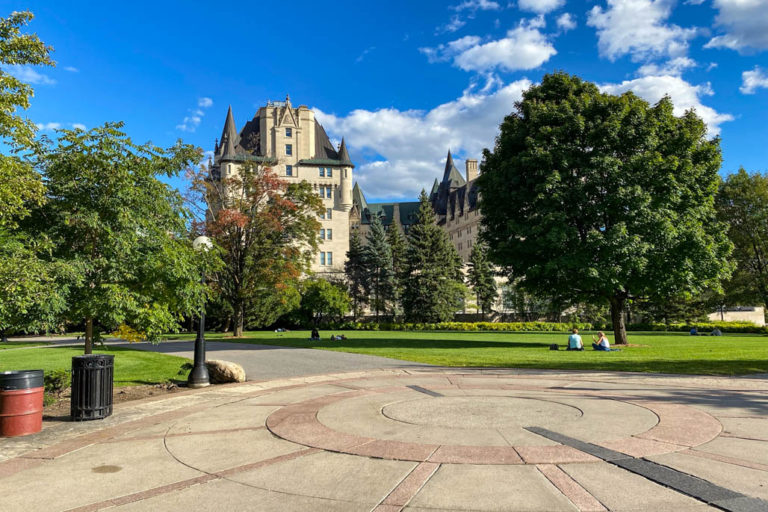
(315, 336)
(716, 332)
(694, 332)
(601, 342)
(574, 341)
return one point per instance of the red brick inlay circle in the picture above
(679, 427)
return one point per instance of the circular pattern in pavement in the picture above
(460, 412)
(483, 421)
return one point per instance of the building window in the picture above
(289, 132)
(329, 258)
(289, 149)
(322, 172)
(322, 234)
(329, 172)
(322, 215)
(322, 258)
(329, 213)
(329, 234)
(289, 170)
(329, 192)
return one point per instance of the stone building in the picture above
(454, 199)
(295, 145)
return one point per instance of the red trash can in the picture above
(21, 402)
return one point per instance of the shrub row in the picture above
(460, 326)
(702, 327)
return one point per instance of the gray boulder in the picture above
(223, 372)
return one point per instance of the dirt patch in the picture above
(60, 410)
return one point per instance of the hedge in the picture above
(461, 326)
(702, 327)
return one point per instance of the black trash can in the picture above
(92, 377)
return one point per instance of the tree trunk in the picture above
(227, 323)
(4, 337)
(618, 304)
(237, 327)
(88, 336)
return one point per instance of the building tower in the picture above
(295, 145)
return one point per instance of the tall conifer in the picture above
(434, 282)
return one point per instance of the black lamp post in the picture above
(198, 377)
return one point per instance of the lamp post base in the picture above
(198, 377)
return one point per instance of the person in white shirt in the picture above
(601, 342)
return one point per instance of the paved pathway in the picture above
(263, 362)
(415, 439)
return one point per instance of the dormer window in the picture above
(289, 132)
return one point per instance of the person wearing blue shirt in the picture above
(574, 341)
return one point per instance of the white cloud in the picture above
(674, 67)
(524, 47)
(195, 117)
(48, 126)
(638, 28)
(753, 80)
(29, 74)
(694, 2)
(684, 96)
(406, 148)
(474, 5)
(78, 126)
(566, 22)
(745, 23)
(71, 69)
(452, 26)
(540, 6)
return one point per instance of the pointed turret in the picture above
(343, 153)
(448, 166)
(435, 188)
(228, 136)
(359, 198)
(452, 178)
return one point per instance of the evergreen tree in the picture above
(377, 257)
(434, 282)
(398, 245)
(357, 281)
(480, 277)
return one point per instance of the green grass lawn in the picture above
(17, 344)
(649, 351)
(132, 367)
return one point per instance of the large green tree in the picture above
(20, 185)
(480, 276)
(435, 284)
(601, 198)
(743, 205)
(30, 297)
(377, 258)
(122, 229)
(267, 230)
(322, 300)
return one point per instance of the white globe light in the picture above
(202, 243)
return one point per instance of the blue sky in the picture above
(402, 81)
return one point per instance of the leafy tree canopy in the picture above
(743, 205)
(601, 198)
(267, 231)
(19, 183)
(323, 300)
(122, 229)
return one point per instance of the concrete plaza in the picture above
(415, 439)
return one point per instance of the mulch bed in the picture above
(60, 410)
